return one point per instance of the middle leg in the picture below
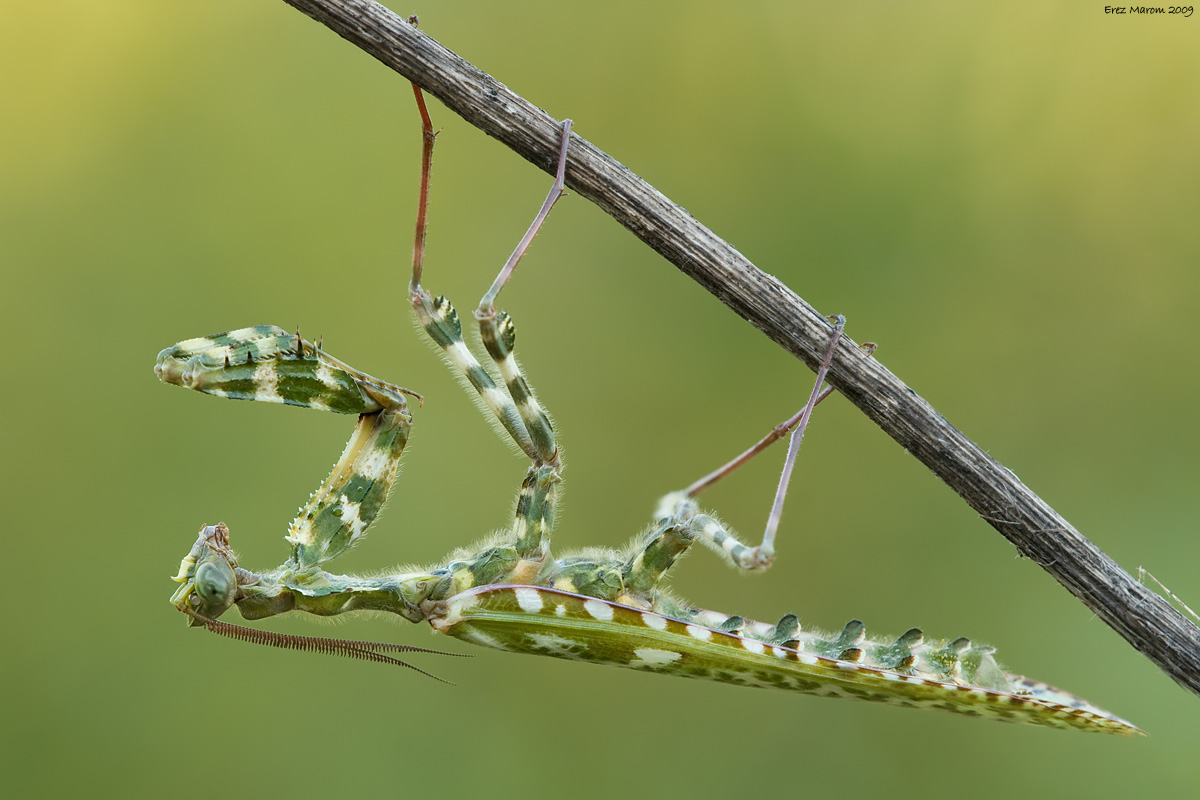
(679, 522)
(514, 405)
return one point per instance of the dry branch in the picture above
(1145, 619)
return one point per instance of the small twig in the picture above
(1146, 620)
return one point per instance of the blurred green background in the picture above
(1003, 196)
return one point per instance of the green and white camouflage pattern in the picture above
(510, 592)
(907, 672)
(605, 607)
(338, 513)
(268, 364)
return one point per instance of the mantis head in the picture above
(208, 576)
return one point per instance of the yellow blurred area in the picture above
(1004, 197)
(76, 76)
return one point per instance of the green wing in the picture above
(530, 619)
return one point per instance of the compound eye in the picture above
(215, 582)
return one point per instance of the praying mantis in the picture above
(512, 592)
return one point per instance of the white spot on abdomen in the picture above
(530, 600)
(599, 610)
(554, 645)
(655, 621)
(653, 657)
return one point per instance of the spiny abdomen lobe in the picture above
(550, 622)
